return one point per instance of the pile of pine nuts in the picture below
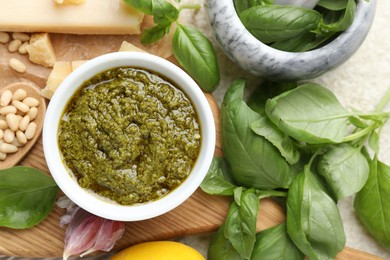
(17, 42)
(17, 126)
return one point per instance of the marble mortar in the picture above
(261, 60)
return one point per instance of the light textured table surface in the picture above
(359, 83)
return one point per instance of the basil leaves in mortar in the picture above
(294, 28)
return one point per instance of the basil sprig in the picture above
(293, 28)
(26, 197)
(299, 142)
(191, 48)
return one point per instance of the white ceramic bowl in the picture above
(261, 60)
(90, 201)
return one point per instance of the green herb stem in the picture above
(364, 132)
(190, 6)
(270, 193)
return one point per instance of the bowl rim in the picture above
(86, 199)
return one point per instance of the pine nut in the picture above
(24, 123)
(19, 94)
(20, 106)
(30, 131)
(3, 156)
(24, 37)
(23, 48)
(33, 113)
(19, 117)
(13, 122)
(8, 110)
(17, 65)
(4, 37)
(16, 143)
(8, 148)
(14, 45)
(21, 137)
(3, 125)
(9, 136)
(1, 133)
(5, 98)
(31, 102)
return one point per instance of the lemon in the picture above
(159, 250)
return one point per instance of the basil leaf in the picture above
(309, 113)
(344, 22)
(221, 248)
(268, 89)
(264, 127)
(333, 5)
(372, 203)
(275, 244)
(356, 121)
(313, 219)
(144, 6)
(345, 170)
(271, 23)
(296, 44)
(242, 5)
(253, 161)
(152, 35)
(237, 235)
(217, 180)
(197, 55)
(237, 194)
(164, 13)
(240, 224)
(26, 197)
(373, 141)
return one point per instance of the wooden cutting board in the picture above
(200, 213)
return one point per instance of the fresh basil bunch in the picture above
(293, 28)
(191, 48)
(295, 141)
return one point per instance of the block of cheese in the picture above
(71, 2)
(91, 17)
(76, 63)
(61, 70)
(40, 50)
(126, 46)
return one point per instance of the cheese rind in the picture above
(91, 17)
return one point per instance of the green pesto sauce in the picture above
(129, 135)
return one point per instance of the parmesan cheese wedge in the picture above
(126, 46)
(61, 70)
(71, 2)
(91, 17)
(77, 63)
(40, 50)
